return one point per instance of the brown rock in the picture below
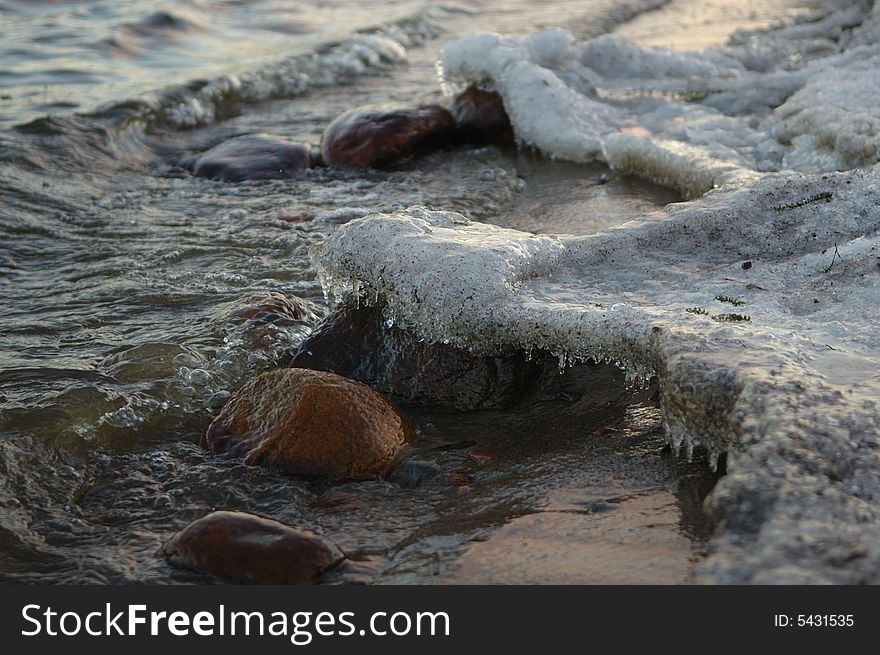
(311, 423)
(251, 157)
(459, 479)
(273, 305)
(356, 343)
(480, 117)
(382, 135)
(252, 549)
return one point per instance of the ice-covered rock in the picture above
(775, 363)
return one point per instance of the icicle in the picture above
(713, 460)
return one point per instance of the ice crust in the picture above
(790, 390)
(800, 98)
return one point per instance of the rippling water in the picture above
(121, 277)
(77, 55)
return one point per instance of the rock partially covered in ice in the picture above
(480, 117)
(311, 423)
(357, 343)
(547, 112)
(251, 157)
(775, 364)
(382, 135)
(251, 549)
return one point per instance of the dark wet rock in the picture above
(459, 479)
(272, 306)
(160, 21)
(480, 117)
(251, 549)
(251, 157)
(414, 472)
(482, 457)
(381, 135)
(340, 500)
(357, 344)
(311, 423)
(356, 570)
(456, 445)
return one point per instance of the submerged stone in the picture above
(251, 157)
(251, 549)
(311, 423)
(480, 117)
(356, 343)
(339, 500)
(381, 135)
(414, 472)
(271, 306)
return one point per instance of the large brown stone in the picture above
(480, 117)
(311, 423)
(356, 343)
(251, 549)
(381, 135)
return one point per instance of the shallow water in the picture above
(121, 274)
(699, 24)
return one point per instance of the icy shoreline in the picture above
(786, 383)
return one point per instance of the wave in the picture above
(119, 129)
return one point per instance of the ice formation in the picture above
(765, 105)
(756, 304)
